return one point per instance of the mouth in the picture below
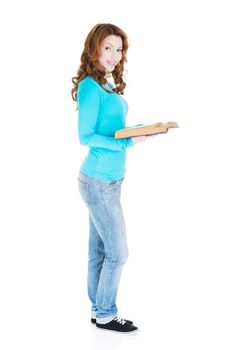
(111, 63)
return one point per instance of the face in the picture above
(110, 52)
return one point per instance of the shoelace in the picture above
(119, 320)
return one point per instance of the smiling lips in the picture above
(111, 63)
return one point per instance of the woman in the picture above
(101, 111)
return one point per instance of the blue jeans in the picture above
(108, 249)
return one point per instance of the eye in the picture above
(107, 48)
(119, 50)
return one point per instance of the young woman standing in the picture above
(101, 111)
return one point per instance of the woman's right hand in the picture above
(138, 139)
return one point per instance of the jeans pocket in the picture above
(111, 189)
(113, 182)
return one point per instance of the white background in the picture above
(178, 191)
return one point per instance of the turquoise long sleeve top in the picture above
(100, 114)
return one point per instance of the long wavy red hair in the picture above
(90, 58)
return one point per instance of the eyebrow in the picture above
(120, 47)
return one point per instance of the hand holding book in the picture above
(138, 139)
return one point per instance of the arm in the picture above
(88, 99)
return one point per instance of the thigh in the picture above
(107, 214)
(103, 201)
(96, 246)
(92, 194)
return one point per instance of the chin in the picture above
(110, 70)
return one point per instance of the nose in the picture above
(114, 56)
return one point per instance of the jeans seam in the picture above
(108, 276)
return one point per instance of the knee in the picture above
(119, 258)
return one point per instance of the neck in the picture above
(108, 75)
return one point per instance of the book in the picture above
(145, 129)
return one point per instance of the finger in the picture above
(154, 135)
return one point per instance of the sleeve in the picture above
(88, 101)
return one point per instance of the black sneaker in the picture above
(93, 320)
(118, 325)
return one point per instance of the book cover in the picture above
(145, 129)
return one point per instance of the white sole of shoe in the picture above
(116, 332)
